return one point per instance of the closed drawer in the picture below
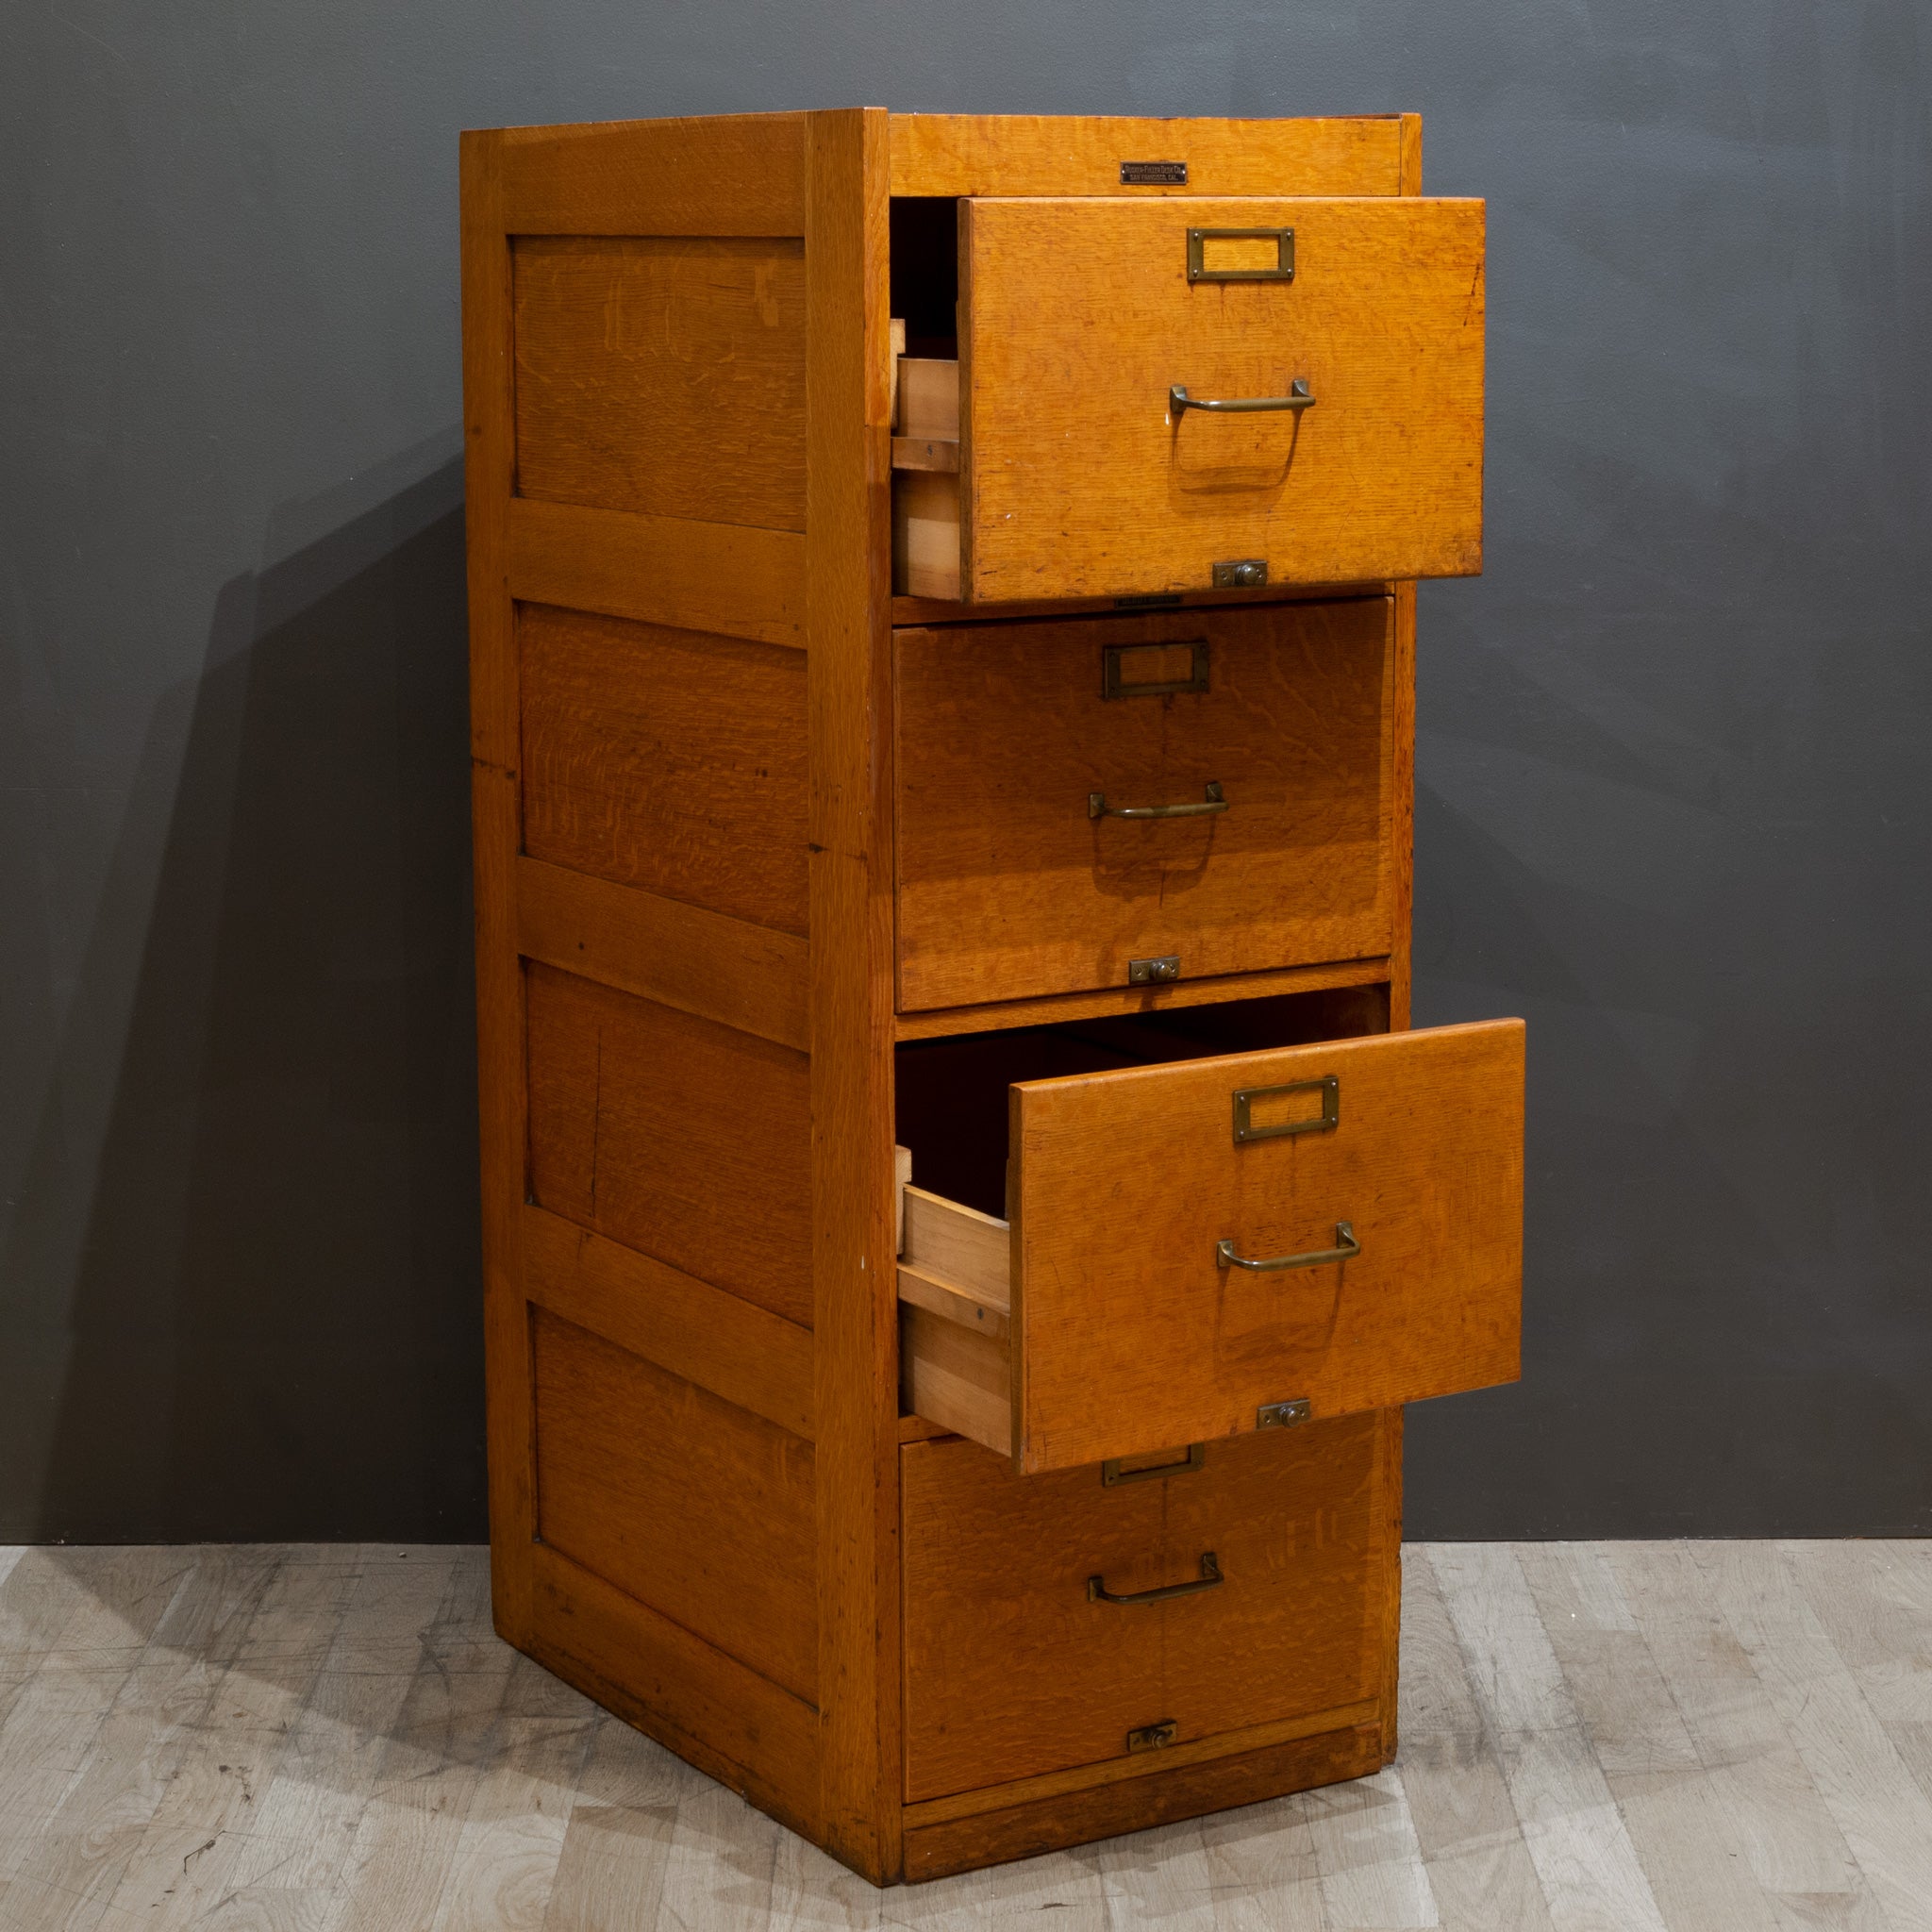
(1192, 1245)
(1015, 1666)
(1027, 752)
(1083, 474)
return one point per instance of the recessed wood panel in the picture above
(662, 374)
(1011, 1670)
(699, 1508)
(683, 1138)
(669, 759)
(1008, 887)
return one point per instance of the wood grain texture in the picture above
(853, 1204)
(956, 1374)
(1388, 1700)
(1402, 835)
(925, 530)
(960, 1245)
(734, 1724)
(1008, 890)
(662, 375)
(744, 975)
(1116, 1287)
(955, 1365)
(1411, 170)
(945, 1297)
(1169, 1758)
(1136, 1803)
(495, 749)
(1010, 1670)
(152, 1702)
(728, 579)
(1081, 154)
(1078, 317)
(1578, 1837)
(678, 1498)
(720, 1342)
(666, 759)
(708, 175)
(1126, 1000)
(658, 1129)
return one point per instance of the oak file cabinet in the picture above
(963, 1205)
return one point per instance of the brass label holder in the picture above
(1247, 1128)
(1118, 660)
(1202, 269)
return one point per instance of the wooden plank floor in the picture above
(1596, 1738)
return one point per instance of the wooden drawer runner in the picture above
(1015, 1668)
(1385, 1172)
(1273, 725)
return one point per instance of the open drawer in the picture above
(1174, 394)
(1201, 1247)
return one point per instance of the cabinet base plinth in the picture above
(1076, 1818)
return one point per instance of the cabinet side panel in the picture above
(662, 375)
(494, 747)
(848, 702)
(647, 1206)
(677, 1498)
(666, 759)
(674, 1135)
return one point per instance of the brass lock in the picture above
(1246, 573)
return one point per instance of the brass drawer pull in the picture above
(1179, 402)
(1097, 1591)
(1345, 1249)
(1097, 808)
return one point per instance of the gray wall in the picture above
(1673, 802)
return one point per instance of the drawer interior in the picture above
(951, 1092)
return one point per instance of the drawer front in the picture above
(1079, 319)
(1013, 1668)
(1384, 1186)
(1014, 882)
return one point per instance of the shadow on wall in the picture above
(274, 1316)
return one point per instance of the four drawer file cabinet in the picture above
(963, 1204)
